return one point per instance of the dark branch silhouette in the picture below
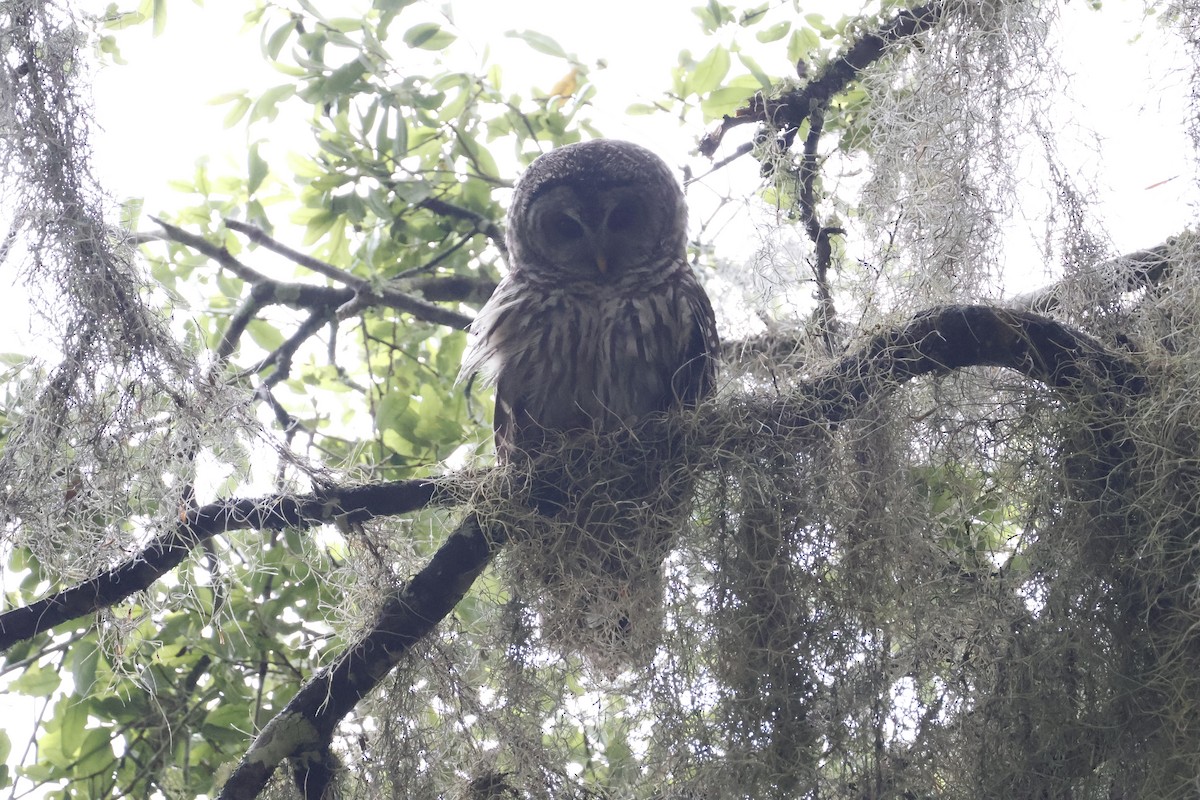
(345, 505)
(786, 112)
(356, 294)
(302, 731)
(933, 343)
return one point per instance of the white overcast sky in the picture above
(156, 121)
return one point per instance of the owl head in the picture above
(597, 211)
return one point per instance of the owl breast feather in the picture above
(568, 357)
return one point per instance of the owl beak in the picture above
(602, 263)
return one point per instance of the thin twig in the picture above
(282, 356)
(219, 254)
(482, 224)
(263, 239)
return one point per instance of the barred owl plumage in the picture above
(598, 323)
(600, 320)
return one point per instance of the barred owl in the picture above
(598, 323)
(599, 320)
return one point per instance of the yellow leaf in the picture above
(566, 85)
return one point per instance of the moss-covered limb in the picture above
(942, 340)
(1130, 272)
(348, 505)
(935, 342)
(302, 731)
(948, 338)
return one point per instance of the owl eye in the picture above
(623, 216)
(566, 227)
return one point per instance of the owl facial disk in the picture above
(596, 233)
(578, 237)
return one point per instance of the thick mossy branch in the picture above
(1127, 273)
(303, 730)
(936, 342)
(344, 506)
(945, 339)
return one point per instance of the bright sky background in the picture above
(1124, 105)
(156, 121)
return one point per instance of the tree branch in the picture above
(818, 234)
(263, 239)
(346, 505)
(219, 254)
(1126, 273)
(791, 108)
(482, 224)
(355, 296)
(935, 342)
(303, 729)
(281, 357)
(942, 340)
(448, 288)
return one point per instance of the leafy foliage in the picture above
(976, 585)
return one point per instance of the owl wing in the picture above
(515, 430)
(697, 375)
(494, 334)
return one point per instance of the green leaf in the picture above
(275, 42)
(540, 42)
(803, 42)
(160, 16)
(817, 21)
(120, 20)
(391, 410)
(73, 714)
(95, 752)
(229, 285)
(713, 15)
(235, 114)
(428, 36)
(342, 78)
(753, 16)
(131, 212)
(400, 139)
(228, 722)
(267, 105)
(712, 69)
(639, 109)
(317, 222)
(764, 81)
(730, 97)
(774, 33)
(265, 335)
(303, 167)
(107, 44)
(257, 169)
(84, 659)
(38, 680)
(346, 24)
